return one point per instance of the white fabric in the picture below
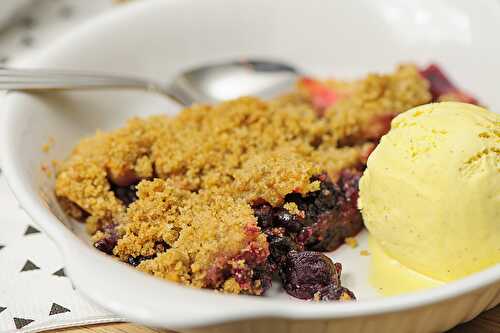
(38, 298)
(31, 294)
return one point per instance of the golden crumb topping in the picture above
(197, 174)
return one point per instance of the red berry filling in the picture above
(441, 86)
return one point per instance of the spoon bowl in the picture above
(233, 79)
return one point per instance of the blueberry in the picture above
(126, 194)
(280, 246)
(263, 213)
(135, 261)
(161, 246)
(106, 244)
(306, 273)
(265, 275)
(283, 218)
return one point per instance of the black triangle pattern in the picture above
(31, 230)
(56, 309)
(29, 266)
(2, 309)
(21, 322)
(60, 273)
(2, 246)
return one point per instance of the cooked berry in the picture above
(280, 247)
(264, 215)
(135, 261)
(161, 246)
(264, 274)
(282, 218)
(205, 169)
(330, 214)
(109, 228)
(304, 235)
(349, 186)
(440, 86)
(306, 273)
(106, 244)
(126, 194)
(321, 95)
(439, 83)
(315, 203)
(350, 220)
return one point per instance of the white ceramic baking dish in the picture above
(159, 38)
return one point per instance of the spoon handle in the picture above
(55, 80)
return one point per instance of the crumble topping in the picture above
(180, 197)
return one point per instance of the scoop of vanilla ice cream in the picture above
(430, 196)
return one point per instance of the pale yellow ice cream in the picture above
(430, 196)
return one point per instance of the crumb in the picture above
(364, 253)
(345, 297)
(48, 145)
(292, 208)
(351, 241)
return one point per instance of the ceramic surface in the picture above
(159, 38)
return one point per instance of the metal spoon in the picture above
(207, 84)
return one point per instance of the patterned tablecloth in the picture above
(35, 293)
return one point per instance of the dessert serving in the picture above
(441, 164)
(228, 196)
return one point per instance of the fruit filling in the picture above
(233, 196)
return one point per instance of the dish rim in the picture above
(249, 307)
